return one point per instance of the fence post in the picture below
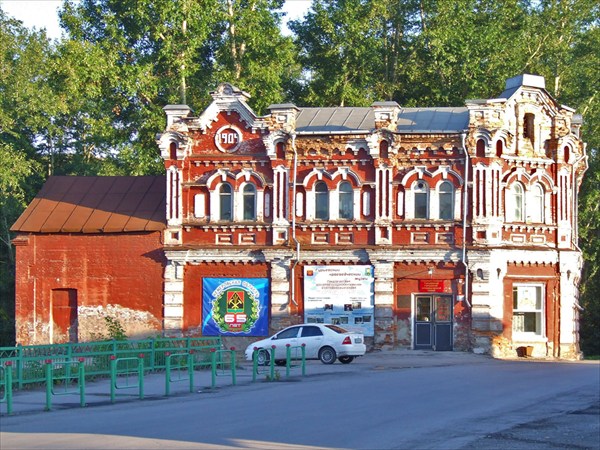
(141, 375)
(272, 362)
(233, 368)
(8, 377)
(81, 370)
(152, 354)
(303, 349)
(167, 373)
(20, 366)
(288, 359)
(69, 357)
(113, 377)
(213, 366)
(191, 369)
(254, 363)
(48, 384)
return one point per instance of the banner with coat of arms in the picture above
(235, 306)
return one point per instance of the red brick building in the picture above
(87, 248)
(441, 228)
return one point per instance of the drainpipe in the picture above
(463, 137)
(574, 236)
(575, 214)
(293, 211)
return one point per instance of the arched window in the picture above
(225, 202)
(346, 201)
(529, 127)
(384, 149)
(249, 196)
(446, 200)
(421, 196)
(480, 150)
(535, 208)
(321, 201)
(499, 148)
(518, 202)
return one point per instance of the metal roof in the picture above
(410, 120)
(335, 120)
(433, 120)
(68, 204)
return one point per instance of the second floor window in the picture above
(249, 195)
(421, 193)
(518, 202)
(346, 201)
(535, 208)
(225, 202)
(446, 201)
(321, 201)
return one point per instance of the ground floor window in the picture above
(528, 309)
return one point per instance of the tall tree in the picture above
(146, 50)
(251, 51)
(340, 52)
(26, 107)
(465, 49)
(162, 52)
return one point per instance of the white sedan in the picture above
(325, 342)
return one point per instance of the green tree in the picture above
(25, 107)
(465, 49)
(340, 52)
(251, 52)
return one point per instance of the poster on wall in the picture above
(235, 306)
(341, 295)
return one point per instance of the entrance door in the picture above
(64, 314)
(433, 322)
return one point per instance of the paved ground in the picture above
(566, 426)
(33, 400)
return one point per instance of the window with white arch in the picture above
(446, 201)
(225, 202)
(321, 201)
(421, 200)
(535, 206)
(517, 198)
(346, 201)
(249, 202)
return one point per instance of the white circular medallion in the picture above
(228, 139)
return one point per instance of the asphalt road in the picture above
(383, 401)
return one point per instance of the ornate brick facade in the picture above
(467, 216)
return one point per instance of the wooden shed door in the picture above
(64, 313)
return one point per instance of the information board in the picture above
(341, 295)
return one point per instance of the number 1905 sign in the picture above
(228, 139)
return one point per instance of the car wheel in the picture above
(327, 355)
(280, 362)
(346, 359)
(263, 357)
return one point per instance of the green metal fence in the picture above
(64, 368)
(29, 362)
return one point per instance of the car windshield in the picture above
(337, 329)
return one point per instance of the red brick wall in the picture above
(116, 275)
